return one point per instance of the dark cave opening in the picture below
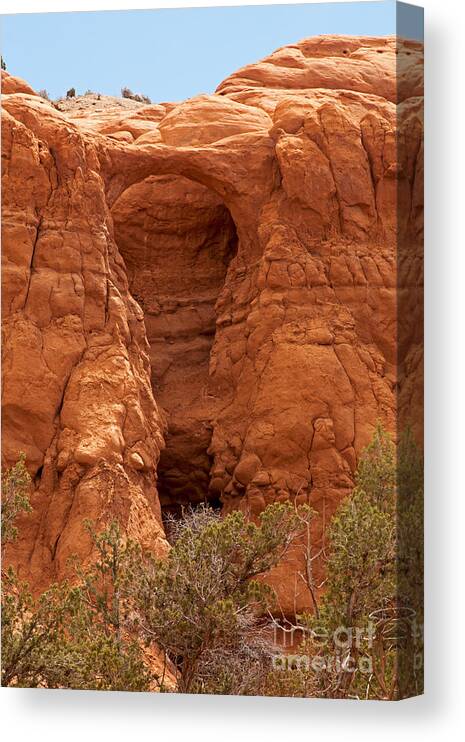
(38, 475)
(177, 239)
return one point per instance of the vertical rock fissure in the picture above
(177, 239)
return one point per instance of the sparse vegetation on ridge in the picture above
(127, 93)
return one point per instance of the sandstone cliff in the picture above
(215, 299)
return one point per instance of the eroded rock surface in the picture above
(243, 251)
(177, 239)
(77, 397)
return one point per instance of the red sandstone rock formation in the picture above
(11, 84)
(76, 371)
(236, 275)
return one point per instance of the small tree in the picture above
(99, 652)
(71, 637)
(29, 628)
(373, 563)
(3, 64)
(16, 484)
(32, 633)
(377, 472)
(203, 604)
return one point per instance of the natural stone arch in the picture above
(223, 167)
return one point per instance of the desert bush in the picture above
(71, 93)
(16, 484)
(208, 610)
(202, 605)
(68, 636)
(72, 636)
(32, 631)
(127, 93)
(29, 628)
(373, 549)
(98, 652)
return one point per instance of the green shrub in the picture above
(373, 569)
(16, 484)
(203, 604)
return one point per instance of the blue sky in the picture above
(169, 54)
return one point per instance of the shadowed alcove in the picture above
(177, 239)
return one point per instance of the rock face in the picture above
(12, 84)
(237, 275)
(76, 372)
